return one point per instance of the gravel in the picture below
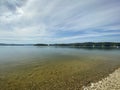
(112, 82)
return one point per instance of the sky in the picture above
(59, 21)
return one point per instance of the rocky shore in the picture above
(112, 82)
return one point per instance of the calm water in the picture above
(10, 55)
(51, 68)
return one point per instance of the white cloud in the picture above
(88, 36)
(40, 20)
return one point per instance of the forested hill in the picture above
(86, 44)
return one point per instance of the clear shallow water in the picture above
(21, 54)
(51, 68)
(17, 53)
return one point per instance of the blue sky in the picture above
(59, 21)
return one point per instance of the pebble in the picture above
(112, 82)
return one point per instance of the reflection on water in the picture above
(20, 54)
(51, 68)
(23, 52)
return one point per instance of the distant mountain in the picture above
(40, 44)
(82, 45)
(3, 44)
(91, 44)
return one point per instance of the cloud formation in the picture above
(54, 21)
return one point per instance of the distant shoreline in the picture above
(80, 45)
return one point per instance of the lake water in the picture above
(54, 63)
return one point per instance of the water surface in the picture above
(51, 68)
